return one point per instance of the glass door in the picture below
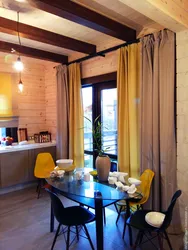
(100, 100)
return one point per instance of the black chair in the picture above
(137, 220)
(70, 216)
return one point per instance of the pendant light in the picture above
(18, 65)
(20, 85)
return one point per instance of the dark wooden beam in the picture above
(86, 17)
(35, 53)
(100, 78)
(44, 36)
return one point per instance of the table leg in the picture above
(99, 223)
(51, 219)
(129, 227)
(51, 214)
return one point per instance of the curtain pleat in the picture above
(128, 79)
(158, 143)
(62, 137)
(76, 123)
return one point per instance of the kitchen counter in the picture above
(17, 163)
(8, 149)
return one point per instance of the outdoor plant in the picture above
(96, 129)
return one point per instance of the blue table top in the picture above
(92, 189)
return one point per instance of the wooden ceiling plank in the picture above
(167, 13)
(34, 53)
(30, 32)
(86, 17)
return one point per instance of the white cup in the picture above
(86, 177)
(78, 175)
(112, 180)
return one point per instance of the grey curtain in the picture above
(62, 138)
(158, 141)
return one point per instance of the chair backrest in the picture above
(145, 186)
(56, 205)
(169, 211)
(44, 165)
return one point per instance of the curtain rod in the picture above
(102, 53)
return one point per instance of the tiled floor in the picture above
(24, 225)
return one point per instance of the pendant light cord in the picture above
(18, 31)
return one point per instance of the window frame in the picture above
(96, 108)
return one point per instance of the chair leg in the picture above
(104, 215)
(39, 188)
(160, 240)
(167, 238)
(77, 233)
(116, 207)
(130, 234)
(55, 238)
(124, 228)
(87, 234)
(119, 212)
(68, 238)
(138, 239)
(141, 237)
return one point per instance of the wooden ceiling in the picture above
(69, 28)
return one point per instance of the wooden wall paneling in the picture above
(29, 105)
(100, 65)
(50, 99)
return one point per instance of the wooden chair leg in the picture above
(57, 232)
(88, 236)
(68, 238)
(167, 238)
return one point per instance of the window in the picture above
(100, 100)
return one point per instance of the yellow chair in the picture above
(145, 186)
(43, 166)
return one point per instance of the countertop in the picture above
(7, 149)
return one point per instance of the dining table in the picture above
(93, 194)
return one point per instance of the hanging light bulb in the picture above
(20, 85)
(18, 65)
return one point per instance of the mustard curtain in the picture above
(5, 95)
(128, 109)
(76, 121)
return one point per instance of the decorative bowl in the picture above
(155, 219)
(64, 163)
(134, 181)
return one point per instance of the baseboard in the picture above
(17, 187)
